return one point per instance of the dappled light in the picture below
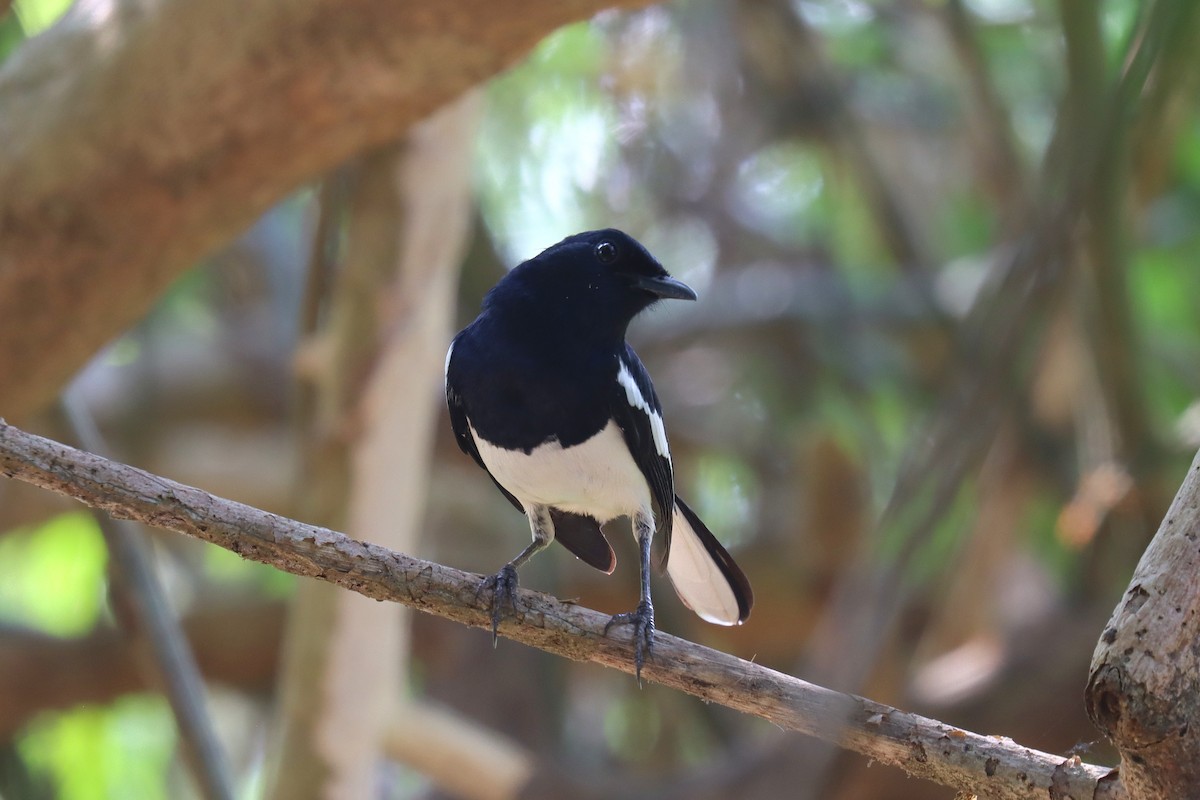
(935, 397)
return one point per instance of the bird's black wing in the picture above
(637, 412)
(462, 429)
(466, 442)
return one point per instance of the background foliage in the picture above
(936, 396)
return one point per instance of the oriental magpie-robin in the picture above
(545, 394)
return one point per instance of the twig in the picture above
(993, 766)
(148, 615)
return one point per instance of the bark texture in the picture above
(1144, 688)
(991, 766)
(138, 136)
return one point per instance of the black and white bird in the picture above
(545, 394)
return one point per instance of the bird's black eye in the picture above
(606, 252)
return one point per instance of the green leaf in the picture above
(37, 15)
(53, 577)
(120, 751)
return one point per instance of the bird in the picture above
(546, 395)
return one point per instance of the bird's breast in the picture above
(597, 477)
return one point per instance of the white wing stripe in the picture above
(634, 395)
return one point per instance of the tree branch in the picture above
(992, 766)
(139, 136)
(1144, 688)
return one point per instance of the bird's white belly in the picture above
(598, 477)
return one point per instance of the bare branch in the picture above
(989, 765)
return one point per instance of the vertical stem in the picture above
(143, 612)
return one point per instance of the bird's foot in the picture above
(503, 586)
(642, 621)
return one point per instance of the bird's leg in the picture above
(641, 619)
(503, 585)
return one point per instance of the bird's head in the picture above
(599, 278)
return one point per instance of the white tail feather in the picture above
(697, 579)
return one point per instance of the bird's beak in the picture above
(666, 287)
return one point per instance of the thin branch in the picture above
(1103, 260)
(1000, 168)
(990, 765)
(147, 614)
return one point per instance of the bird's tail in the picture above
(704, 574)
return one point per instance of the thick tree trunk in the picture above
(136, 139)
(1144, 689)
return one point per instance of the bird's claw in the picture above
(503, 586)
(642, 621)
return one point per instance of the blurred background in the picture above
(939, 389)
